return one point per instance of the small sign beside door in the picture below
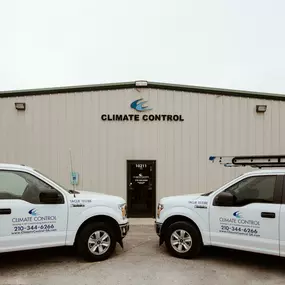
(74, 178)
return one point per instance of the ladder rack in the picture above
(258, 161)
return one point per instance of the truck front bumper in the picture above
(157, 227)
(124, 229)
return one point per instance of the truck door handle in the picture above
(268, 215)
(5, 211)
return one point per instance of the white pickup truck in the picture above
(248, 213)
(36, 212)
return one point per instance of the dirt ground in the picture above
(141, 262)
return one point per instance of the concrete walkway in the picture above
(141, 221)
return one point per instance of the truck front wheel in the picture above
(183, 240)
(96, 241)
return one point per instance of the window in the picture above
(12, 186)
(256, 189)
(63, 187)
(21, 185)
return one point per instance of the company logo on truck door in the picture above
(139, 106)
(35, 223)
(237, 214)
(33, 212)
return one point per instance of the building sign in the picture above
(131, 117)
(138, 106)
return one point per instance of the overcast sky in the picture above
(236, 44)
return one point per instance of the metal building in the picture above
(139, 140)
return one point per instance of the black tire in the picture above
(194, 234)
(84, 235)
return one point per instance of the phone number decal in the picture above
(33, 229)
(239, 230)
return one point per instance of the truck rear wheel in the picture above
(183, 240)
(96, 241)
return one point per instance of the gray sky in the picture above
(235, 44)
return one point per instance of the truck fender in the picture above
(183, 213)
(92, 212)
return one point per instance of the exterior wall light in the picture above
(261, 108)
(20, 106)
(141, 83)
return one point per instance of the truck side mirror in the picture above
(50, 196)
(224, 199)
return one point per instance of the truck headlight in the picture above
(159, 209)
(123, 208)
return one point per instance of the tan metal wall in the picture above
(213, 125)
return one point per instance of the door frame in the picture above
(153, 161)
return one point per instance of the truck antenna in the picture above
(71, 169)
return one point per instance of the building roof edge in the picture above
(141, 84)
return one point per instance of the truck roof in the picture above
(15, 166)
(269, 170)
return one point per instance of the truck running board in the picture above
(258, 161)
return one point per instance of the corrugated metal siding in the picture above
(213, 125)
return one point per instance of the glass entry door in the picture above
(141, 188)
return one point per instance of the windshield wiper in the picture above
(73, 192)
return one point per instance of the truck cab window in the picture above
(12, 186)
(21, 185)
(256, 189)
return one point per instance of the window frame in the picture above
(282, 194)
(277, 195)
(15, 171)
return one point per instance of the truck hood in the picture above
(85, 195)
(186, 197)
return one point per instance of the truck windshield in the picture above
(63, 187)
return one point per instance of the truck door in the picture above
(251, 222)
(25, 221)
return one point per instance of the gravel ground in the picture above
(141, 262)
